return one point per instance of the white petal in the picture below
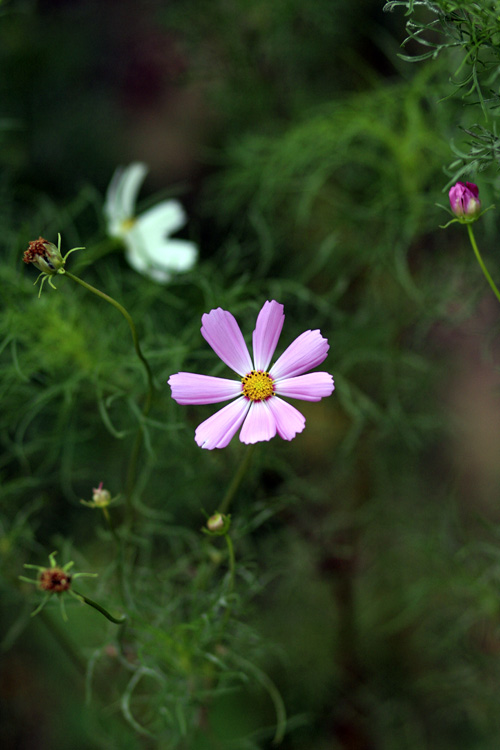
(158, 258)
(139, 262)
(173, 255)
(163, 219)
(121, 196)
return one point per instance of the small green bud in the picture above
(101, 498)
(218, 524)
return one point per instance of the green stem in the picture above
(273, 693)
(232, 566)
(481, 262)
(133, 331)
(237, 479)
(132, 465)
(122, 578)
(232, 563)
(95, 605)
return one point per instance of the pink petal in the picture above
(259, 425)
(267, 332)
(218, 430)
(311, 387)
(307, 351)
(190, 388)
(289, 420)
(222, 332)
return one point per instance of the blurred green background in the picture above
(310, 159)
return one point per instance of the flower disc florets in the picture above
(47, 258)
(44, 255)
(257, 385)
(54, 580)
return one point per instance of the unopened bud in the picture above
(215, 522)
(464, 200)
(218, 524)
(100, 496)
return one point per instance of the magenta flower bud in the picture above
(464, 200)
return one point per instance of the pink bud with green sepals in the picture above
(464, 200)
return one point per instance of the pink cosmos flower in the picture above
(257, 407)
(464, 200)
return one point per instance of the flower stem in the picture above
(237, 479)
(481, 262)
(232, 563)
(95, 605)
(133, 331)
(120, 546)
(232, 568)
(132, 465)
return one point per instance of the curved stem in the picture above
(481, 262)
(237, 479)
(273, 693)
(95, 605)
(132, 466)
(133, 331)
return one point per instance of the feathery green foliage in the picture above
(468, 35)
(354, 601)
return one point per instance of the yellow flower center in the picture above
(127, 224)
(257, 385)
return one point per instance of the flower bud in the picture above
(464, 200)
(218, 524)
(101, 497)
(215, 522)
(44, 255)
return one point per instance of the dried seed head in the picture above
(44, 255)
(54, 580)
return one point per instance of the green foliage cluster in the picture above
(362, 606)
(467, 34)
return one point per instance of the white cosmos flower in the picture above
(149, 247)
